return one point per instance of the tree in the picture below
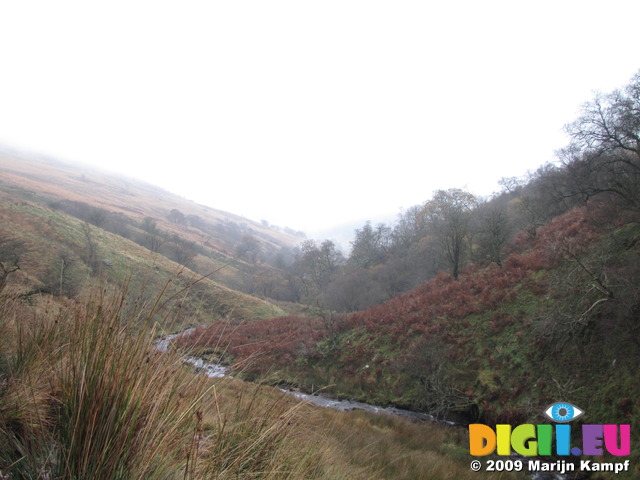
(153, 237)
(91, 256)
(10, 251)
(248, 248)
(370, 245)
(413, 255)
(177, 217)
(449, 213)
(410, 227)
(97, 217)
(426, 364)
(316, 266)
(183, 251)
(539, 196)
(63, 277)
(604, 152)
(494, 230)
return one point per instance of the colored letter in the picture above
(544, 439)
(523, 440)
(611, 440)
(592, 439)
(563, 439)
(503, 432)
(482, 440)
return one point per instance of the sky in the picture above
(308, 114)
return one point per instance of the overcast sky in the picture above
(308, 114)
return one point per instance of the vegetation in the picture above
(84, 394)
(534, 295)
(197, 237)
(471, 309)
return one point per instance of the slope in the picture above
(67, 230)
(557, 322)
(195, 235)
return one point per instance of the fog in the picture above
(308, 115)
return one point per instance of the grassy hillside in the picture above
(196, 236)
(557, 322)
(85, 395)
(51, 179)
(68, 229)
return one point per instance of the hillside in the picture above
(51, 179)
(558, 321)
(70, 227)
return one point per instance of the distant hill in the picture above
(72, 225)
(53, 180)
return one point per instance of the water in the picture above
(215, 370)
(347, 405)
(210, 369)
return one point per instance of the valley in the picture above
(465, 310)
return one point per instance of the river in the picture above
(216, 370)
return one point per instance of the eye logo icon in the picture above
(563, 412)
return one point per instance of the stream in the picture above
(215, 370)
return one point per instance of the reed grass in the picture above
(85, 395)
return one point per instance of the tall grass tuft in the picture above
(124, 411)
(85, 395)
(254, 434)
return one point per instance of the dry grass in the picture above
(131, 197)
(44, 234)
(366, 446)
(84, 395)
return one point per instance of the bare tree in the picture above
(153, 237)
(183, 251)
(63, 277)
(449, 213)
(10, 251)
(91, 257)
(249, 248)
(410, 227)
(604, 152)
(316, 266)
(370, 245)
(426, 363)
(494, 230)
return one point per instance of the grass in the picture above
(84, 395)
(366, 446)
(46, 234)
(29, 179)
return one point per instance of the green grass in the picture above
(47, 233)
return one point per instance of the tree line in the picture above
(451, 230)
(455, 228)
